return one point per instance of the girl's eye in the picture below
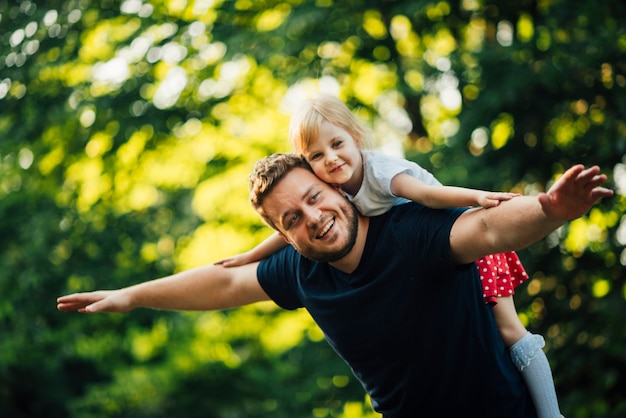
(336, 144)
(315, 157)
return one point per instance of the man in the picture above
(396, 295)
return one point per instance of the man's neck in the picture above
(351, 261)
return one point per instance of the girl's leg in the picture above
(527, 354)
(509, 325)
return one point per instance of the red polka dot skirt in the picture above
(499, 275)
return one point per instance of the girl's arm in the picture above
(269, 246)
(438, 197)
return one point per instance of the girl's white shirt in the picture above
(375, 196)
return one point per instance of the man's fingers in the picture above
(64, 307)
(96, 307)
(78, 301)
(601, 192)
(575, 171)
(588, 175)
(597, 180)
(69, 307)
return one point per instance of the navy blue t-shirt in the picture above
(412, 326)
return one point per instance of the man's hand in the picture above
(524, 220)
(574, 193)
(112, 301)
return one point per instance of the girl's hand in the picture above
(236, 260)
(492, 199)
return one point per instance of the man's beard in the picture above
(350, 213)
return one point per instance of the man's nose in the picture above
(312, 215)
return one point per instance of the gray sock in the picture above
(531, 361)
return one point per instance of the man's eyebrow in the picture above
(308, 191)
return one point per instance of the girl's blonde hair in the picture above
(307, 119)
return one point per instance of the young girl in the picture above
(332, 140)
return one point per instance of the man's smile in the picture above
(329, 224)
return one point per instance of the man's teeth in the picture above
(330, 223)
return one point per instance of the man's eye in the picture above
(315, 196)
(292, 220)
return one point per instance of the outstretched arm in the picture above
(269, 246)
(204, 288)
(522, 221)
(438, 197)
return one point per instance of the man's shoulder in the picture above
(285, 256)
(417, 207)
(288, 262)
(278, 276)
(400, 220)
(411, 215)
(401, 210)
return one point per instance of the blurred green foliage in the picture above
(127, 129)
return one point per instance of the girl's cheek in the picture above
(317, 169)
